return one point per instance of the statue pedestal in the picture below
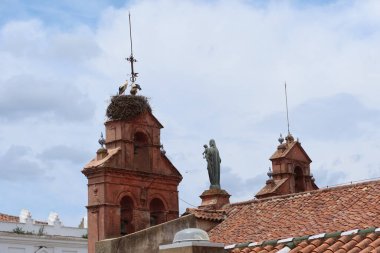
(214, 199)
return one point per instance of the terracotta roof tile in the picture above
(278, 247)
(16, 219)
(335, 247)
(211, 215)
(299, 247)
(96, 163)
(375, 243)
(308, 248)
(364, 242)
(333, 209)
(272, 187)
(8, 218)
(351, 244)
(354, 250)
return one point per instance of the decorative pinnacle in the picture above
(163, 151)
(289, 138)
(270, 173)
(281, 139)
(102, 141)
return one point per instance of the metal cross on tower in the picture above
(131, 58)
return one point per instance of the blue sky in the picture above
(63, 14)
(212, 69)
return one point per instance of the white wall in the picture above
(55, 229)
(20, 243)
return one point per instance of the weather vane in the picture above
(132, 60)
(134, 86)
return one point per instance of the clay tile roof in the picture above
(334, 209)
(41, 222)
(211, 215)
(366, 240)
(8, 218)
(271, 187)
(282, 153)
(96, 163)
(16, 219)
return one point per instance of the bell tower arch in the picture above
(141, 152)
(126, 215)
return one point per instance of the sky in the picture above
(211, 69)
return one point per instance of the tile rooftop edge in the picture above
(300, 194)
(57, 237)
(292, 242)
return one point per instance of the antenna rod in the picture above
(131, 59)
(130, 33)
(287, 110)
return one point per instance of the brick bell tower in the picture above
(131, 183)
(290, 171)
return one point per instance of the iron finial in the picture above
(281, 139)
(270, 173)
(132, 60)
(163, 151)
(102, 141)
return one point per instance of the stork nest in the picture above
(126, 107)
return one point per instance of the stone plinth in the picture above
(214, 199)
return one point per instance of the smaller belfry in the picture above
(290, 170)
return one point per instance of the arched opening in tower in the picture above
(126, 216)
(157, 212)
(141, 152)
(299, 180)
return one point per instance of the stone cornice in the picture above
(122, 172)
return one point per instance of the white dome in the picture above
(191, 234)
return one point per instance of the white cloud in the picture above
(18, 166)
(213, 70)
(23, 97)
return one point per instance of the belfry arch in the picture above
(157, 211)
(141, 160)
(126, 215)
(299, 180)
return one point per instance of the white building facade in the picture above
(24, 235)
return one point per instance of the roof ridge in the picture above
(212, 215)
(207, 210)
(327, 189)
(9, 215)
(293, 241)
(9, 218)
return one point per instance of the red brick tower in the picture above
(131, 183)
(291, 170)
